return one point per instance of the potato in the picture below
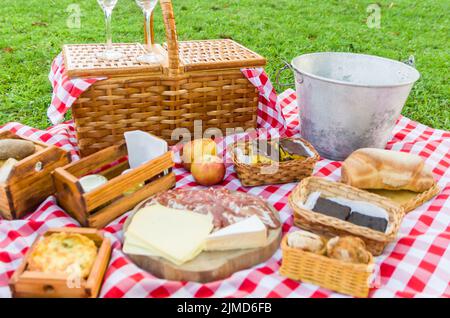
(16, 148)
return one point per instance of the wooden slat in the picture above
(29, 187)
(96, 160)
(69, 195)
(116, 170)
(118, 207)
(6, 210)
(115, 188)
(95, 278)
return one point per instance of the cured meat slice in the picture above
(225, 206)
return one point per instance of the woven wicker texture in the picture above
(81, 60)
(216, 54)
(345, 278)
(159, 101)
(329, 226)
(419, 199)
(286, 172)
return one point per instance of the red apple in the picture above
(208, 170)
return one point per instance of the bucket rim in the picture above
(416, 76)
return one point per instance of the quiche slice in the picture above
(64, 253)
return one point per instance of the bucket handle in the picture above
(411, 61)
(286, 66)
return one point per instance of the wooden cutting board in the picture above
(208, 266)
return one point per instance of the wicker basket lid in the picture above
(81, 60)
(217, 54)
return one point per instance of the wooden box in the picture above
(30, 181)
(196, 82)
(25, 283)
(99, 207)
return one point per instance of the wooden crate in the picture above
(30, 181)
(196, 80)
(99, 207)
(25, 283)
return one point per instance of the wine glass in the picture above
(147, 7)
(109, 53)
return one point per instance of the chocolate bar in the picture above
(331, 208)
(374, 223)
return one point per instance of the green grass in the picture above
(32, 33)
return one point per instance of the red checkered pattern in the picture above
(65, 90)
(417, 264)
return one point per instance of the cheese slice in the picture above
(248, 233)
(176, 235)
(136, 247)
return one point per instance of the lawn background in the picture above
(32, 33)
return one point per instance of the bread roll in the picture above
(370, 168)
(306, 241)
(348, 249)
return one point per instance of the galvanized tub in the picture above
(349, 101)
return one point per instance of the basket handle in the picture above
(171, 35)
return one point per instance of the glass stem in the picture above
(109, 46)
(148, 16)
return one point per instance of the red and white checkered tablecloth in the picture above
(417, 264)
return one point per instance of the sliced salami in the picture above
(226, 207)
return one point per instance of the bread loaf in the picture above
(371, 168)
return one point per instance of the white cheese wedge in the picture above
(248, 233)
(176, 235)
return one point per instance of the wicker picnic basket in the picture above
(318, 269)
(329, 226)
(196, 80)
(258, 174)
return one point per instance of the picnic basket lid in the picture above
(176, 57)
(80, 60)
(216, 54)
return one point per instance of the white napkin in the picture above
(143, 147)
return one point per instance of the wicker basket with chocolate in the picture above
(276, 161)
(335, 209)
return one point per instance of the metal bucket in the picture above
(350, 101)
